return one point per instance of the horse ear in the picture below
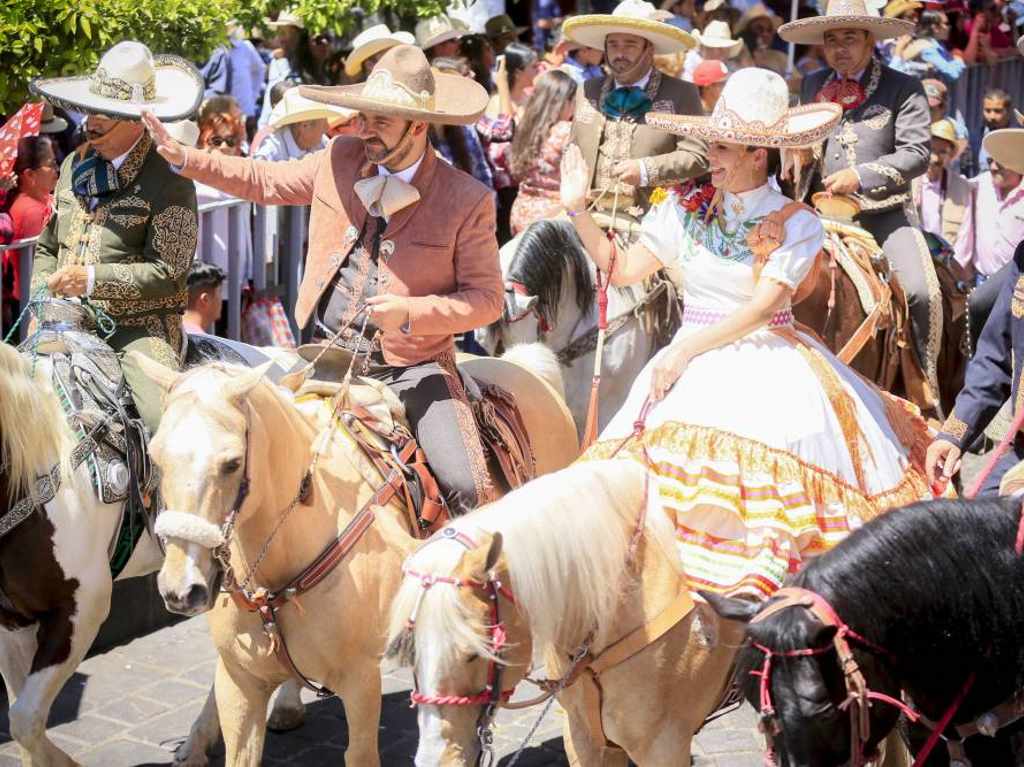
(476, 563)
(161, 375)
(247, 381)
(731, 609)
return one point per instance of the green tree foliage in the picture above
(44, 38)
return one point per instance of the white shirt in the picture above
(406, 174)
(280, 146)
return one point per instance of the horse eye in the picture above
(230, 466)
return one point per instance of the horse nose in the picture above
(193, 599)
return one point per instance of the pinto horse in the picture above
(923, 604)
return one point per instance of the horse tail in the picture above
(539, 360)
(33, 432)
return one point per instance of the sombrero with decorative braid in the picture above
(128, 80)
(630, 17)
(843, 14)
(403, 84)
(753, 110)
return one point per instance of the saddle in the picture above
(375, 419)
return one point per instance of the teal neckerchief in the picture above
(627, 101)
(92, 177)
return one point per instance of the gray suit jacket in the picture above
(668, 159)
(887, 138)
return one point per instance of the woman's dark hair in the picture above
(452, 136)
(31, 150)
(551, 92)
(928, 23)
(304, 67)
(517, 58)
(472, 48)
(279, 89)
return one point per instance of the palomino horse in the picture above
(921, 604)
(858, 309)
(55, 577)
(549, 297)
(237, 455)
(567, 566)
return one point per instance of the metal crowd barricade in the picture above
(282, 255)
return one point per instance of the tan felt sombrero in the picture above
(129, 80)
(630, 17)
(1006, 145)
(843, 14)
(403, 84)
(753, 110)
(372, 41)
(759, 11)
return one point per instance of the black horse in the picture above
(933, 595)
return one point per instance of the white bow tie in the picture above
(385, 195)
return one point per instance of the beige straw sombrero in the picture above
(403, 84)
(372, 41)
(129, 80)
(843, 14)
(1006, 145)
(630, 17)
(753, 110)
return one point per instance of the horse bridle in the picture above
(858, 695)
(492, 696)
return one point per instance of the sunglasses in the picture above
(223, 141)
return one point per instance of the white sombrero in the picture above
(630, 17)
(717, 35)
(844, 14)
(128, 80)
(753, 110)
(287, 18)
(372, 41)
(296, 108)
(1006, 145)
(403, 84)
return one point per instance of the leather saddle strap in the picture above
(866, 330)
(645, 635)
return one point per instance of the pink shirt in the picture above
(999, 224)
(931, 206)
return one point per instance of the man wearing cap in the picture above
(402, 249)
(124, 227)
(942, 197)
(438, 37)
(501, 30)
(996, 371)
(367, 48)
(627, 158)
(881, 145)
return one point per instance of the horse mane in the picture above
(564, 538)
(547, 250)
(34, 434)
(935, 582)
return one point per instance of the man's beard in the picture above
(992, 125)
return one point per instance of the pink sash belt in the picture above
(695, 315)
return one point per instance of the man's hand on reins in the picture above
(169, 149)
(388, 312)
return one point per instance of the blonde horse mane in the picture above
(34, 434)
(565, 538)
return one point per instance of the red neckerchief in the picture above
(848, 94)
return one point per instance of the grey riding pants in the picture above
(908, 255)
(442, 422)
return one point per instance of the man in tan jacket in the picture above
(942, 197)
(402, 248)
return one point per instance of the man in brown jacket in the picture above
(623, 153)
(402, 248)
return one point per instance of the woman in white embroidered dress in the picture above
(764, 448)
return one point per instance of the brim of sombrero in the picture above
(457, 100)
(811, 31)
(803, 126)
(746, 21)
(56, 125)
(733, 46)
(354, 61)
(592, 29)
(179, 92)
(1007, 147)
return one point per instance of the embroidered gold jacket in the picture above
(996, 371)
(887, 138)
(140, 241)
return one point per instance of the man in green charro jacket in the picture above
(124, 227)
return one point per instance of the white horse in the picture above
(550, 297)
(55, 580)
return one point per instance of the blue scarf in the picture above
(92, 177)
(627, 101)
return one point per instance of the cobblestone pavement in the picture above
(134, 704)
